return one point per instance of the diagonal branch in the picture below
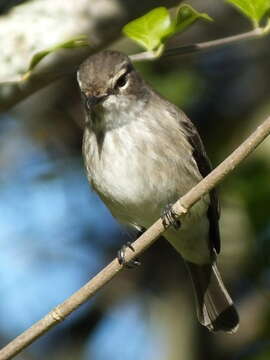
(207, 45)
(181, 207)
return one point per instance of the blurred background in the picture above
(55, 233)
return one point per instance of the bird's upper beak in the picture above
(92, 101)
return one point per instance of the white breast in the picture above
(135, 173)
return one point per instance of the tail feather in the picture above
(215, 308)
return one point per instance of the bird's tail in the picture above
(215, 308)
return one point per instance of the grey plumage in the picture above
(215, 308)
(141, 153)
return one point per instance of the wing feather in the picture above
(204, 166)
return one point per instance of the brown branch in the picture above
(12, 92)
(207, 45)
(59, 313)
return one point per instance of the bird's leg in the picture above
(121, 256)
(169, 217)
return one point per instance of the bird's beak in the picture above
(92, 101)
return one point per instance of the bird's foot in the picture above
(169, 217)
(122, 260)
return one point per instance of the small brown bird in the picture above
(141, 154)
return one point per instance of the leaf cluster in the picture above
(153, 29)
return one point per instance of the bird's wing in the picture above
(204, 166)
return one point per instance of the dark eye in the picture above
(121, 82)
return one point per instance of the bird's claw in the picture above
(169, 217)
(121, 257)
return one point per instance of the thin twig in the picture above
(207, 45)
(59, 313)
(12, 92)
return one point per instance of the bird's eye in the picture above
(121, 82)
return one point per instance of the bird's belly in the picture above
(137, 179)
(133, 193)
(138, 199)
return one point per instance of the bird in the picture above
(141, 154)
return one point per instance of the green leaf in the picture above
(70, 44)
(255, 10)
(186, 16)
(150, 29)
